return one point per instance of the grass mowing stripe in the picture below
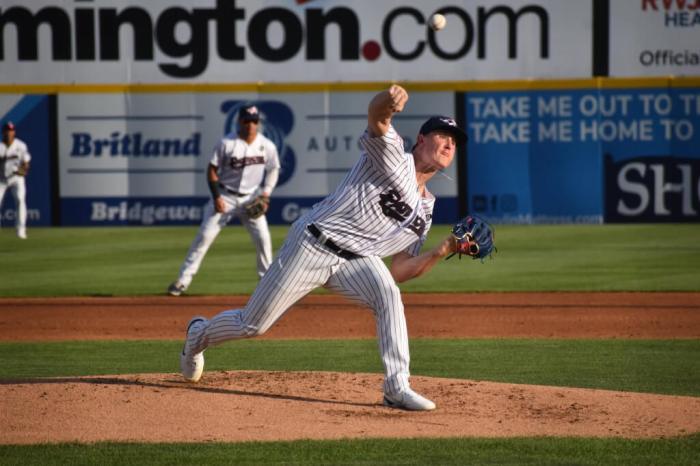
(654, 366)
(118, 261)
(517, 451)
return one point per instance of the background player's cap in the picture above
(249, 113)
(445, 124)
(8, 126)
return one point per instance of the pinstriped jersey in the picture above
(377, 209)
(241, 166)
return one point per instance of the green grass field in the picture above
(653, 366)
(142, 261)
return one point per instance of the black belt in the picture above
(231, 191)
(330, 244)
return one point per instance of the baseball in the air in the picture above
(437, 22)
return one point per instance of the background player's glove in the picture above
(473, 237)
(257, 207)
(21, 171)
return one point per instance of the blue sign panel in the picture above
(133, 211)
(31, 117)
(555, 156)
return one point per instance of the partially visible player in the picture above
(382, 208)
(243, 167)
(14, 166)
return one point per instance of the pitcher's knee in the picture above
(237, 320)
(253, 331)
(388, 297)
(252, 328)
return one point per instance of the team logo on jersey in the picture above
(393, 207)
(276, 122)
(241, 163)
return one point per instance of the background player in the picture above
(243, 167)
(14, 166)
(382, 208)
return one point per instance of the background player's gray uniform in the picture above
(245, 171)
(377, 211)
(11, 158)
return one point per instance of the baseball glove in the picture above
(21, 171)
(474, 237)
(257, 207)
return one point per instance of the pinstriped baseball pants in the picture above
(301, 266)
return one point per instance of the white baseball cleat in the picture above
(21, 234)
(176, 289)
(410, 400)
(192, 365)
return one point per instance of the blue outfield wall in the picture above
(134, 211)
(584, 156)
(32, 118)
(587, 154)
(143, 161)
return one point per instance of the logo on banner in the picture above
(652, 189)
(94, 34)
(676, 13)
(277, 121)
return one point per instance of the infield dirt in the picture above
(260, 405)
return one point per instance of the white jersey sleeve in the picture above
(273, 158)
(217, 154)
(272, 169)
(25, 156)
(385, 152)
(271, 177)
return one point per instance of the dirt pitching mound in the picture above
(236, 406)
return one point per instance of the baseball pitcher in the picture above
(242, 173)
(382, 208)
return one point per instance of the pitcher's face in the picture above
(436, 149)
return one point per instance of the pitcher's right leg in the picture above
(302, 265)
(369, 281)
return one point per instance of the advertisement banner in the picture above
(652, 189)
(584, 156)
(657, 179)
(142, 158)
(30, 114)
(247, 41)
(654, 38)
